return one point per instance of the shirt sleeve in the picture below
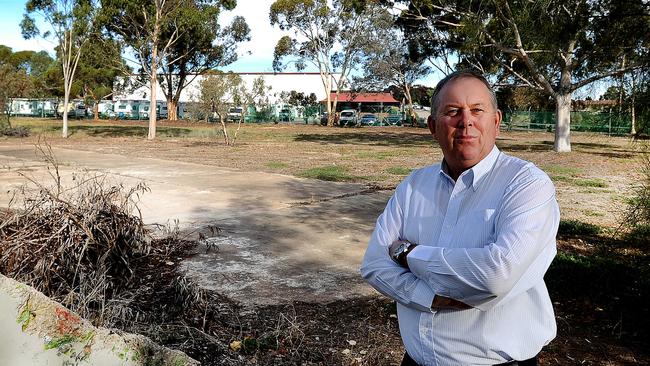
(516, 261)
(381, 272)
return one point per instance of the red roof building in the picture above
(363, 102)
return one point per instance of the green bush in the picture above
(575, 227)
(637, 217)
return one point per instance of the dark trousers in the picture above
(408, 361)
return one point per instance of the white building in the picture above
(305, 82)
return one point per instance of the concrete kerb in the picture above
(38, 331)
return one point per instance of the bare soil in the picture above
(598, 322)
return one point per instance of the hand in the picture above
(441, 302)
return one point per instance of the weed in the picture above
(398, 170)
(331, 173)
(20, 131)
(276, 164)
(637, 217)
(25, 316)
(574, 227)
(561, 170)
(379, 155)
(598, 183)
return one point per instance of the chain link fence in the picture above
(599, 122)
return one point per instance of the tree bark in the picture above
(563, 122)
(172, 110)
(153, 108)
(66, 99)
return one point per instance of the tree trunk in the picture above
(409, 101)
(96, 110)
(66, 99)
(632, 107)
(224, 130)
(172, 110)
(563, 122)
(153, 108)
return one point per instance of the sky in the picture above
(255, 56)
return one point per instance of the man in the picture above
(463, 245)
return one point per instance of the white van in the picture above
(348, 117)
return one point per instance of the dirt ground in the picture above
(593, 183)
(379, 159)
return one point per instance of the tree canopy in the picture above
(329, 37)
(554, 46)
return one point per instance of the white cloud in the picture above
(257, 53)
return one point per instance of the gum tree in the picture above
(554, 46)
(329, 35)
(150, 29)
(69, 24)
(203, 45)
(386, 60)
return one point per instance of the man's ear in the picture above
(431, 123)
(498, 116)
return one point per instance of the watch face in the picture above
(400, 250)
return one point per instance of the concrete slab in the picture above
(283, 238)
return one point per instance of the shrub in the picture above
(637, 217)
(575, 227)
(20, 131)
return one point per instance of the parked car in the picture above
(234, 114)
(369, 120)
(393, 120)
(286, 115)
(348, 118)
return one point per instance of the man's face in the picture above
(466, 124)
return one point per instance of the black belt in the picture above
(408, 361)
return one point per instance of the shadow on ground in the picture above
(383, 138)
(123, 131)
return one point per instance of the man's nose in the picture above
(465, 118)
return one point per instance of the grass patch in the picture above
(560, 170)
(596, 183)
(332, 173)
(378, 155)
(575, 227)
(593, 213)
(398, 170)
(276, 165)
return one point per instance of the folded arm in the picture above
(515, 262)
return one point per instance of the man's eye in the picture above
(452, 112)
(477, 110)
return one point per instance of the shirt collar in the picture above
(478, 171)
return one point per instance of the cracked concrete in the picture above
(282, 238)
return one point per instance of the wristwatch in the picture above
(404, 248)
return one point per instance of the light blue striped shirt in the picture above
(486, 240)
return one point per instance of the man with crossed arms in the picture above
(462, 246)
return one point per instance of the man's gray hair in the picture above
(469, 73)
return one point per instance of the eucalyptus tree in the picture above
(150, 28)
(216, 94)
(386, 60)
(554, 46)
(69, 24)
(328, 35)
(98, 69)
(203, 44)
